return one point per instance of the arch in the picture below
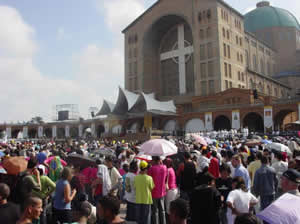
(32, 133)
(222, 122)
(170, 126)
(2, 133)
(15, 133)
(100, 130)
(74, 132)
(117, 129)
(194, 125)
(155, 38)
(48, 133)
(61, 133)
(254, 122)
(283, 117)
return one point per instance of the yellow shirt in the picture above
(143, 184)
(253, 166)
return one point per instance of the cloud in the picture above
(61, 34)
(249, 9)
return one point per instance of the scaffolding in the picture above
(65, 112)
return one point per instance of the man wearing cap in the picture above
(144, 185)
(290, 182)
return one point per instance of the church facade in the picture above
(195, 48)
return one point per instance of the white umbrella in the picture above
(142, 156)
(158, 147)
(279, 147)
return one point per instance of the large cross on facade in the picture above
(180, 52)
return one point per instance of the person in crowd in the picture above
(130, 192)
(255, 165)
(247, 218)
(206, 202)
(280, 167)
(214, 165)
(84, 212)
(115, 177)
(290, 182)
(9, 212)
(102, 184)
(108, 209)
(47, 188)
(33, 207)
(239, 200)
(158, 171)
(240, 170)
(202, 161)
(125, 168)
(143, 185)
(187, 176)
(63, 197)
(172, 190)
(224, 186)
(179, 211)
(265, 183)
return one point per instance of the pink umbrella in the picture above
(199, 139)
(158, 147)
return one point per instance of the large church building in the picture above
(181, 49)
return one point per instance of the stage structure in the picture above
(64, 112)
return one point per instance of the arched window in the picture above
(254, 62)
(262, 66)
(269, 90)
(224, 34)
(260, 87)
(252, 86)
(228, 35)
(208, 32)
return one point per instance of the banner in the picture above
(208, 121)
(236, 123)
(268, 117)
(80, 129)
(40, 131)
(54, 132)
(67, 131)
(8, 132)
(93, 129)
(25, 132)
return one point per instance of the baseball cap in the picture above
(293, 175)
(143, 165)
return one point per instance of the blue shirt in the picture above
(59, 198)
(241, 171)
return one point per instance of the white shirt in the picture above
(202, 162)
(129, 187)
(241, 201)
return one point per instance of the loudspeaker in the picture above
(255, 94)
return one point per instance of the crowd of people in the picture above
(226, 181)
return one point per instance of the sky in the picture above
(69, 52)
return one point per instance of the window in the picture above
(269, 91)
(225, 68)
(201, 34)
(224, 49)
(130, 53)
(203, 70)
(208, 14)
(130, 68)
(224, 34)
(203, 88)
(268, 68)
(228, 35)
(239, 75)
(209, 50)
(211, 68)
(243, 79)
(239, 86)
(208, 32)
(261, 48)
(135, 38)
(230, 84)
(229, 69)
(222, 13)
(238, 56)
(211, 86)
(226, 84)
(237, 39)
(276, 92)
(228, 51)
(241, 42)
(202, 52)
(253, 43)
(199, 17)
(262, 66)
(241, 58)
(254, 62)
(247, 58)
(135, 52)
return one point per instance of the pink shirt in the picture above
(159, 176)
(172, 179)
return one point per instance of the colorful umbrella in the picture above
(15, 165)
(158, 147)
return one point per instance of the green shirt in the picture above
(47, 187)
(143, 186)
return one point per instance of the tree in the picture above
(37, 120)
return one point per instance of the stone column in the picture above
(208, 121)
(268, 118)
(93, 129)
(8, 132)
(25, 132)
(80, 129)
(236, 123)
(106, 126)
(40, 131)
(67, 131)
(54, 131)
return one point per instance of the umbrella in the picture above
(80, 160)
(104, 152)
(279, 147)
(158, 147)
(15, 165)
(208, 140)
(142, 156)
(284, 210)
(199, 139)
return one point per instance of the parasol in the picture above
(158, 147)
(279, 147)
(15, 165)
(199, 139)
(142, 156)
(80, 160)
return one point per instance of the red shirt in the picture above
(214, 167)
